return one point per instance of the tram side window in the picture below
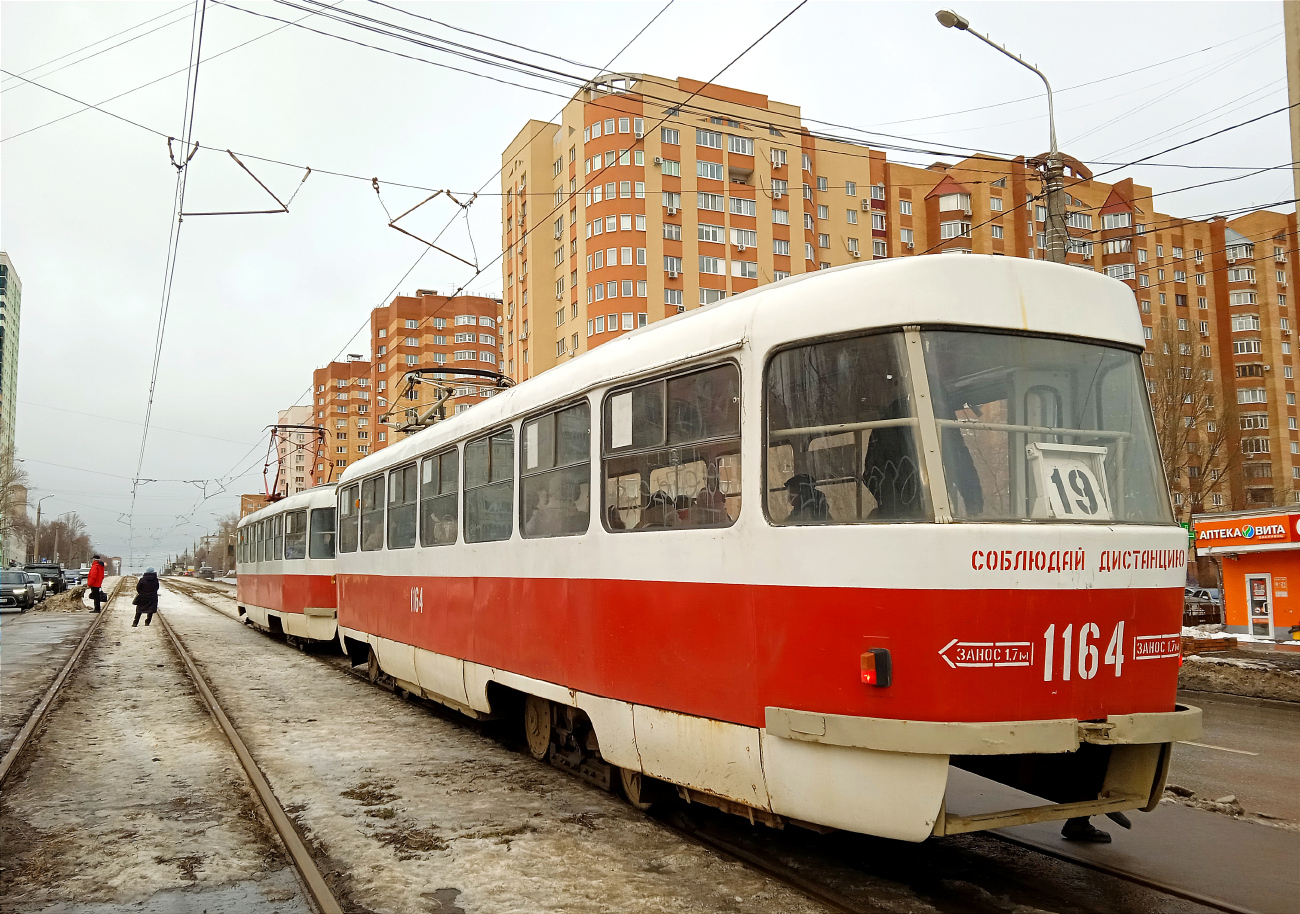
(489, 487)
(349, 515)
(841, 434)
(672, 452)
(321, 542)
(555, 473)
(372, 514)
(295, 535)
(263, 550)
(401, 507)
(438, 475)
(277, 538)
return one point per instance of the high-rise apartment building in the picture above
(343, 399)
(296, 449)
(11, 309)
(652, 196)
(362, 404)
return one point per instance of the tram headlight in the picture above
(877, 668)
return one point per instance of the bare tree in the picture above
(13, 499)
(1194, 431)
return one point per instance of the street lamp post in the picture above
(36, 545)
(1053, 166)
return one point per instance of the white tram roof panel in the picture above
(315, 497)
(960, 289)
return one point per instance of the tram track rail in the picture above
(313, 880)
(38, 713)
(769, 864)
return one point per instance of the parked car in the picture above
(1200, 607)
(72, 577)
(40, 588)
(16, 591)
(52, 572)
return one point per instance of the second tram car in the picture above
(807, 554)
(284, 560)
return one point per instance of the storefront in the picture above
(1259, 552)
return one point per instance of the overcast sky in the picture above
(261, 301)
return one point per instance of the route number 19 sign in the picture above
(1070, 481)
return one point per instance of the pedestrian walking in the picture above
(95, 581)
(146, 597)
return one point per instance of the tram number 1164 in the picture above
(1085, 660)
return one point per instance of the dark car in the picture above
(1200, 607)
(53, 574)
(16, 591)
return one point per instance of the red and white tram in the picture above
(284, 560)
(806, 552)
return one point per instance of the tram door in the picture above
(1019, 397)
(1259, 603)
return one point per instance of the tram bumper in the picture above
(1086, 767)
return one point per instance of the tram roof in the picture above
(315, 497)
(973, 290)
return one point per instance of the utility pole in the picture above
(1053, 166)
(36, 547)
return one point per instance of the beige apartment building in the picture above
(653, 196)
(295, 451)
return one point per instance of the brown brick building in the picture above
(654, 196)
(361, 404)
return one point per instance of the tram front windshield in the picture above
(1029, 429)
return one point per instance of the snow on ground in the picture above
(418, 813)
(1219, 631)
(132, 796)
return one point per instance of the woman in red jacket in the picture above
(95, 581)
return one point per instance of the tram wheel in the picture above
(641, 791)
(537, 726)
(372, 669)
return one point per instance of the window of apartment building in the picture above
(807, 192)
(1146, 332)
(672, 200)
(807, 162)
(1205, 328)
(996, 230)
(673, 265)
(995, 204)
(1116, 220)
(383, 332)
(1244, 347)
(1252, 395)
(1245, 322)
(807, 250)
(877, 221)
(711, 296)
(712, 202)
(906, 236)
(412, 341)
(954, 201)
(1180, 301)
(877, 192)
(710, 138)
(1121, 271)
(1241, 274)
(1242, 298)
(672, 232)
(1281, 301)
(851, 216)
(905, 207)
(778, 275)
(1040, 213)
(823, 212)
(742, 207)
(1281, 277)
(745, 269)
(712, 265)
(808, 222)
(1160, 275)
(821, 184)
(740, 145)
(709, 170)
(669, 136)
(781, 247)
(779, 188)
(1182, 323)
(382, 350)
(823, 241)
(780, 217)
(673, 297)
(778, 158)
(954, 229)
(465, 355)
(850, 188)
(879, 248)
(712, 233)
(744, 238)
(1162, 298)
